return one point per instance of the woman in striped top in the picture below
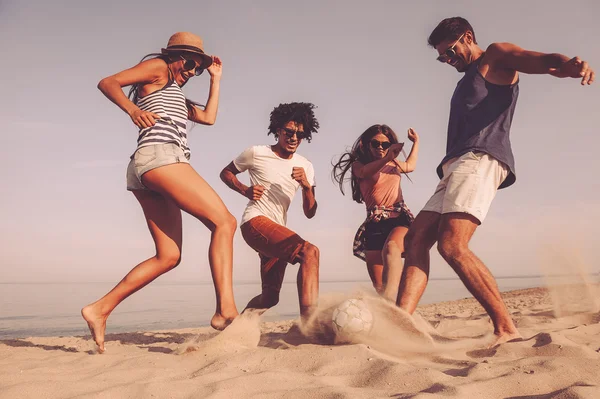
(160, 175)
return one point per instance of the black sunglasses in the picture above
(290, 133)
(188, 65)
(450, 52)
(383, 144)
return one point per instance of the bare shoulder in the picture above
(495, 65)
(496, 52)
(357, 164)
(356, 167)
(157, 66)
(499, 48)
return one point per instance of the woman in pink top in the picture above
(375, 180)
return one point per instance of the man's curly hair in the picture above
(295, 112)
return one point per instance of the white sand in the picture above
(439, 354)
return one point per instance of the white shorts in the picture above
(469, 185)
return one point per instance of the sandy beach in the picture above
(442, 352)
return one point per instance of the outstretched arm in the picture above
(512, 57)
(229, 177)
(208, 115)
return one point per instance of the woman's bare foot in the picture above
(506, 337)
(97, 325)
(220, 322)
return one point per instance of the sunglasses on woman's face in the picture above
(383, 144)
(189, 65)
(290, 133)
(450, 52)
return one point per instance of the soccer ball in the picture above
(351, 318)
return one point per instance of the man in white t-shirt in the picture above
(276, 173)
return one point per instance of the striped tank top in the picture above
(169, 103)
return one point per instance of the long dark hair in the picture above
(360, 152)
(133, 91)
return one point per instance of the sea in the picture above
(53, 309)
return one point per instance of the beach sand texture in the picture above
(440, 353)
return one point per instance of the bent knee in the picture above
(450, 250)
(310, 250)
(415, 240)
(226, 222)
(392, 248)
(169, 260)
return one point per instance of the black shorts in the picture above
(376, 233)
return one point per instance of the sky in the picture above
(66, 216)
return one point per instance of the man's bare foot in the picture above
(97, 325)
(505, 337)
(220, 322)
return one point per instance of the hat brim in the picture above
(206, 59)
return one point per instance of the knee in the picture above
(310, 251)
(451, 250)
(226, 223)
(415, 241)
(169, 259)
(391, 249)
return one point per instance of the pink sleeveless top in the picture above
(383, 188)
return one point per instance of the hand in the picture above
(394, 151)
(254, 193)
(412, 135)
(216, 68)
(143, 119)
(577, 68)
(299, 175)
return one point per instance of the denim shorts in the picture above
(151, 157)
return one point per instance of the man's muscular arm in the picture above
(512, 57)
(229, 177)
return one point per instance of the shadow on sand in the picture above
(143, 340)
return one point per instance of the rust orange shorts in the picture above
(272, 240)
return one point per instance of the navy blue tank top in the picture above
(480, 117)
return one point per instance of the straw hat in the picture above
(188, 42)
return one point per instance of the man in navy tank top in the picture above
(478, 161)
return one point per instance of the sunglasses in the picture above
(383, 144)
(290, 133)
(189, 65)
(450, 52)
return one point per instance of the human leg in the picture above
(308, 279)
(455, 232)
(278, 242)
(392, 261)
(375, 268)
(272, 271)
(164, 221)
(419, 239)
(191, 193)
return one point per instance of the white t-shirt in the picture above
(275, 174)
